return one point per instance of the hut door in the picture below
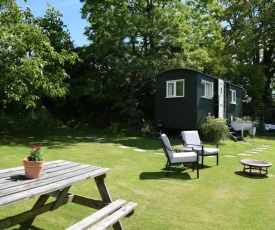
(221, 112)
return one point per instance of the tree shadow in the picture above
(58, 138)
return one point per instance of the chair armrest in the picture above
(195, 145)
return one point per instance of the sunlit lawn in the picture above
(222, 198)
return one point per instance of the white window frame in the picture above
(208, 89)
(233, 96)
(171, 87)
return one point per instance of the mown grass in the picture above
(222, 198)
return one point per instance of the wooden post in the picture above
(39, 203)
(106, 197)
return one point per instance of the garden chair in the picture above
(191, 139)
(178, 158)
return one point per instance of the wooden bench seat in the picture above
(105, 217)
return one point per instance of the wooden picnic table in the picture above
(56, 179)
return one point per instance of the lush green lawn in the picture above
(222, 198)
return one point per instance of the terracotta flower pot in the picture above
(33, 169)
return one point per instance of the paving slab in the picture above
(140, 150)
(124, 147)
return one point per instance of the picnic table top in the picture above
(15, 187)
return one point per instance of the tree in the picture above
(136, 39)
(31, 68)
(55, 29)
(249, 32)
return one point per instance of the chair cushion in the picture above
(167, 145)
(184, 157)
(207, 151)
(210, 151)
(191, 138)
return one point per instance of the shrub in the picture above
(214, 129)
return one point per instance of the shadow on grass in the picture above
(141, 143)
(174, 173)
(64, 137)
(251, 175)
(58, 138)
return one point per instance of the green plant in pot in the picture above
(34, 162)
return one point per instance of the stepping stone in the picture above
(91, 137)
(160, 153)
(124, 147)
(258, 150)
(244, 154)
(140, 150)
(229, 156)
(100, 140)
(253, 152)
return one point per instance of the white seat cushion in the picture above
(207, 151)
(191, 138)
(167, 145)
(184, 157)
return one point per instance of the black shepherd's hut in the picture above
(184, 98)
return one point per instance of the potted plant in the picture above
(34, 162)
(243, 123)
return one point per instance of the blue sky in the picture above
(71, 15)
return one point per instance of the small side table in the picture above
(261, 166)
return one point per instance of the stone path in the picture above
(250, 152)
(101, 140)
(246, 153)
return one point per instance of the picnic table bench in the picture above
(56, 181)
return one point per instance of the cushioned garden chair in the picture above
(191, 139)
(178, 158)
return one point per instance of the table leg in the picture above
(60, 198)
(106, 197)
(104, 193)
(40, 202)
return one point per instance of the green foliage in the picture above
(270, 116)
(249, 38)
(30, 66)
(214, 130)
(130, 43)
(55, 29)
(41, 118)
(35, 153)
(142, 38)
(115, 128)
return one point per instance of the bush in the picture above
(214, 130)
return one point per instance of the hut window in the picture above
(233, 96)
(206, 89)
(175, 88)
